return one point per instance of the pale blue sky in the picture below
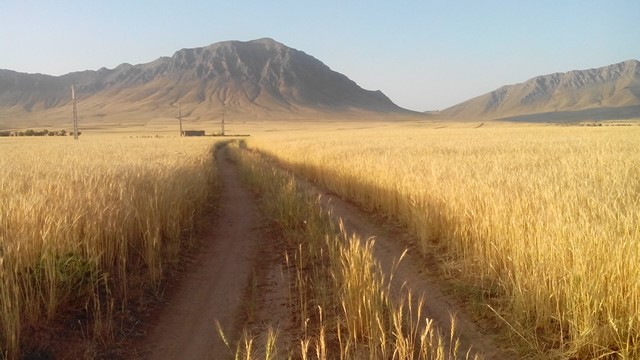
(424, 55)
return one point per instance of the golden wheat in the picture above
(79, 219)
(544, 220)
(342, 302)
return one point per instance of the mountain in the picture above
(259, 78)
(610, 92)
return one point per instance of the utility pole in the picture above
(223, 111)
(180, 118)
(75, 112)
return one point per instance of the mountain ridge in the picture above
(611, 87)
(263, 78)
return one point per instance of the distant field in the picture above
(598, 114)
(85, 225)
(541, 222)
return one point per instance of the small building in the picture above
(193, 133)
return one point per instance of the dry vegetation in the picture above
(539, 227)
(541, 223)
(84, 225)
(337, 292)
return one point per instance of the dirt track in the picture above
(215, 290)
(413, 272)
(223, 285)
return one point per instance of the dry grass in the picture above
(543, 221)
(342, 304)
(80, 222)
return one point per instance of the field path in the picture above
(412, 272)
(215, 288)
(235, 281)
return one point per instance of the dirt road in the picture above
(236, 273)
(215, 289)
(413, 272)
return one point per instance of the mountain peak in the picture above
(631, 63)
(266, 41)
(257, 77)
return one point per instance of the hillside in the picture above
(610, 92)
(260, 79)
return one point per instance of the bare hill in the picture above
(259, 78)
(610, 92)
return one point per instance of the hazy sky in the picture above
(424, 55)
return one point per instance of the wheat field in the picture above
(537, 226)
(541, 223)
(84, 224)
(338, 295)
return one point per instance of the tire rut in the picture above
(412, 273)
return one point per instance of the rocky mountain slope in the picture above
(609, 92)
(257, 78)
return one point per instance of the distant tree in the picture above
(63, 132)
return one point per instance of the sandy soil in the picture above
(238, 279)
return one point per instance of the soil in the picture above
(217, 289)
(239, 281)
